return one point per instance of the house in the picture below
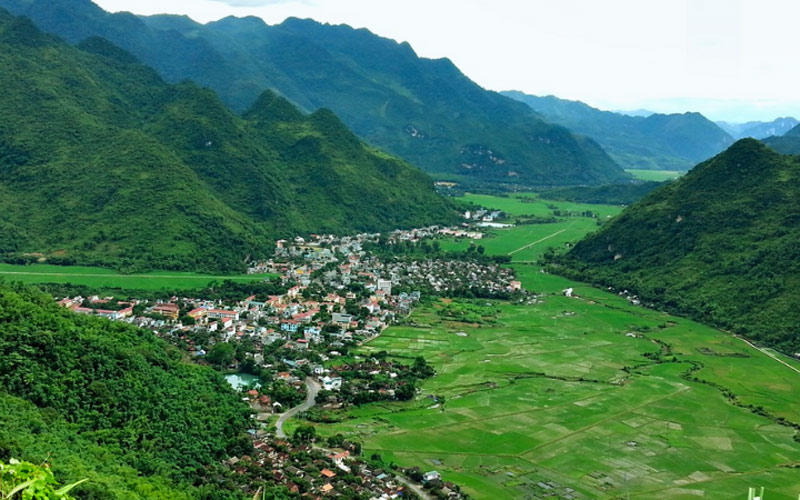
(327, 488)
(516, 285)
(222, 314)
(431, 476)
(197, 314)
(341, 318)
(385, 286)
(328, 473)
(289, 326)
(168, 310)
(332, 383)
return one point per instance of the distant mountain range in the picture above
(655, 141)
(425, 111)
(788, 144)
(759, 130)
(102, 162)
(721, 244)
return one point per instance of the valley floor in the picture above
(586, 397)
(107, 278)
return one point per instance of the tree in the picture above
(221, 354)
(305, 434)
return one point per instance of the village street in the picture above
(312, 387)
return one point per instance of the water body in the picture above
(240, 380)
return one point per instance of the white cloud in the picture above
(259, 3)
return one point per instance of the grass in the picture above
(655, 175)
(97, 277)
(525, 243)
(556, 393)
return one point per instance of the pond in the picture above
(241, 380)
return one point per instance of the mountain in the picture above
(721, 244)
(104, 163)
(635, 112)
(656, 141)
(788, 144)
(759, 130)
(112, 404)
(425, 111)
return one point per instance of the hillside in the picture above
(425, 111)
(111, 403)
(720, 244)
(788, 144)
(109, 165)
(656, 141)
(759, 130)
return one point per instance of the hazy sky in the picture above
(730, 59)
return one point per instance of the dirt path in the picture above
(313, 389)
(537, 241)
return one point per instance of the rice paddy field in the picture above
(106, 278)
(655, 175)
(586, 397)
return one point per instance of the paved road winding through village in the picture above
(313, 388)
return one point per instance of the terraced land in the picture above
(587, 397)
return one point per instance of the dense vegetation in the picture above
(656, 142)
(425, 111)
(109, 402)
(722, 245)
(610, 194)
(109, 165)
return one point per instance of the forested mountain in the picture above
(759, 130)
(788, 144)
(112, 404)
(103, 162)
(425, 111)
(657, 141)
(721, 244)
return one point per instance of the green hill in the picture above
(104, 163)
(425, 111)
(111, 403)
(788, 144)
(721, 244)
(655, 142)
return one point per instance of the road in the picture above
(312, 388)
(413, 487)
(764, 351)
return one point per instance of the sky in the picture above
(731, 60)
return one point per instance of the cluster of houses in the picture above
(331, 294)
(314, 472)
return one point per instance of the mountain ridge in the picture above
(657, 141)
(110, 165)
(425, 111)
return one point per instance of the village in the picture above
(328, 295)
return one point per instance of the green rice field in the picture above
(655, 175)
(526, 243)
(586, 397)
(106, 278)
